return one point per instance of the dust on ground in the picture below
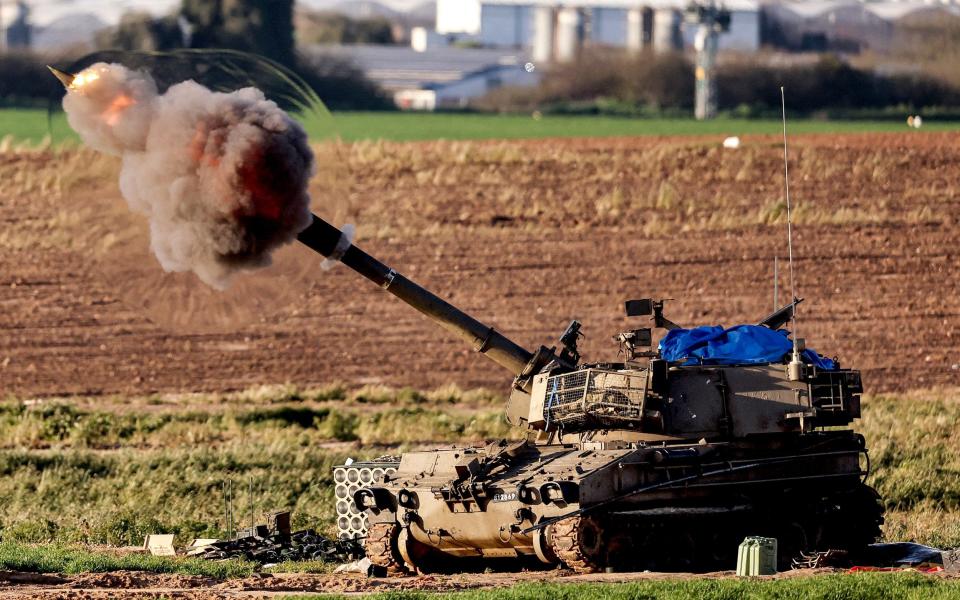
(526, 236)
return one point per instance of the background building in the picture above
(431, 77)
(555, 29)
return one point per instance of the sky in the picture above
(109, 11)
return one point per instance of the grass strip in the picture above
(859, 586)
(32, 124)
(71, 560)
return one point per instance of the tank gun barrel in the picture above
(325, 239)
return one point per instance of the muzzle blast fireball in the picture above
(221, 177)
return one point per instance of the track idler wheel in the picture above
(579, 544)
(419, 557)
(381, 547)
(858, 520)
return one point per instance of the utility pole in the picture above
(711, 21)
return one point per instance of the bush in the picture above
(140, 31)
(340, 426)
(827, 84)
(647, 84)
(25, 80)
(340, 84)
(128, 528)
(32, 530)
(326, 27)
(58, 420)
(604, 76)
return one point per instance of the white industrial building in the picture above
(430, 77)
(515, 37)
(554, 29)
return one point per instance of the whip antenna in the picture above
(795, 368)
(786, 192)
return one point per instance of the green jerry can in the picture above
(757, 556)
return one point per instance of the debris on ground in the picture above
(159, 544)
(889, 556)
(951, 560)
(362, 566)
(819, 560)
(278, 547)
(274, 542)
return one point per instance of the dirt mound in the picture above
(16, 578)
(137, 579)
(526, 235)
(342, 583)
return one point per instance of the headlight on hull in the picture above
(560, 492)
(375, 499)
(528, 495)
(408, 499)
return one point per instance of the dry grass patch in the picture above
(88, 475)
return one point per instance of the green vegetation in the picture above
(879, 586)
(111, 470)
(157, 464)
(368, 415)
(129, 467)
(457, 126)
(328, 27)
(31, 124)
(56, 558)
(118, 497)
(915, 454)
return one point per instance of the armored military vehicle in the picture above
(664, 460)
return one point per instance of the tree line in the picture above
(606, 81)
(262, 27)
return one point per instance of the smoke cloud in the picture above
(222, 177)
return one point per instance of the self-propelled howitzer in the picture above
(655, 462)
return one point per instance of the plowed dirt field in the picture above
(525, 235)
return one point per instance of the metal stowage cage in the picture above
(596, 398)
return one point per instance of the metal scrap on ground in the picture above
(278, 547)
(893, 555)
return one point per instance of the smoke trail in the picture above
(222, 177)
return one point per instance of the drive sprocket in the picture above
(578, 543)
(381, 547)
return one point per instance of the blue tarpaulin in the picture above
(738, 345)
